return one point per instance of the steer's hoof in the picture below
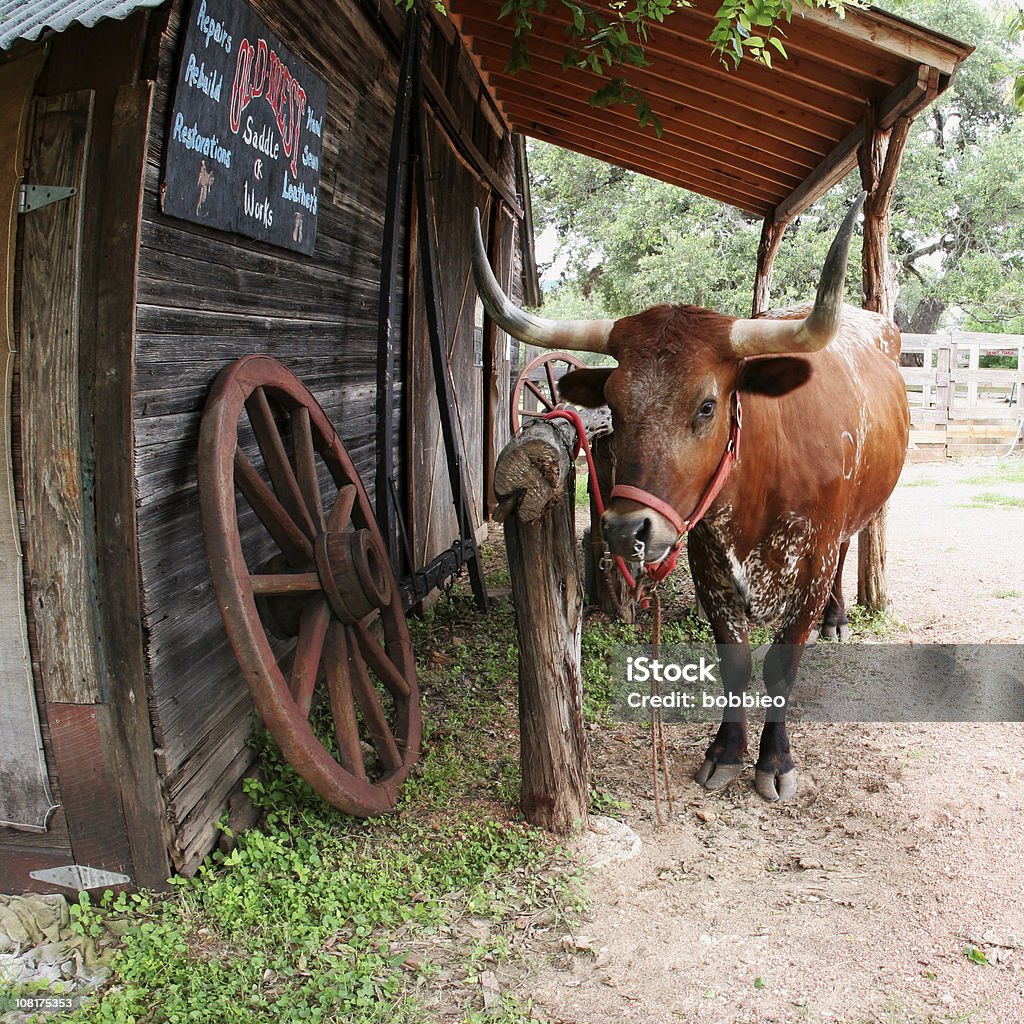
(840, 633)
(717, 776)
(776, 787)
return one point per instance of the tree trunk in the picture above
(871, 592)
(535, 485)
(879, 156)
(771, 239)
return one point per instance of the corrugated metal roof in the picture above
(27, 19)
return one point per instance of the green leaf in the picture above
(977, 956)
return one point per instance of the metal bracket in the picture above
(77, 877)
(35, 197)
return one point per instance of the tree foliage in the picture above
(627, 242)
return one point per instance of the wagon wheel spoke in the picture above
(305, 464)
(309, 651)
(379, 661)
(341, 512)
(343, 709)
(284, 584)
(549, 370)
(541, 397)
(280, 525)
(374, 717)
(275, 458)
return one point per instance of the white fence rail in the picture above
(952, 386)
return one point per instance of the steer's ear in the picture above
(773, 375)
(585, 387)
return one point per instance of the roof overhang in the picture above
(768, 141)
(29, 19)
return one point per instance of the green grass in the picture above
(319, 917)
(1003, 472)
(582, 490)
(991, 499)
(1002, 593)
(924, 481)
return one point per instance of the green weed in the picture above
(879, 624)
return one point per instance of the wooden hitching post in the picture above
(534, 481)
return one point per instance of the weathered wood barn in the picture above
(147, 242)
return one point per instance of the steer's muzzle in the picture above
(638, 534)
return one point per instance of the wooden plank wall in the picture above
(206, 298)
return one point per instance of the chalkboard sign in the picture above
(246, 130)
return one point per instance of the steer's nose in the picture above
(628, 534)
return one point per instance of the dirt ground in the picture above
(860, 900)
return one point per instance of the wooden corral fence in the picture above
(958, 406)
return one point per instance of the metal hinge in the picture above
(35, 197)
(77, 877)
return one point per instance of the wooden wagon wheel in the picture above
(536, 390)
(313, 613)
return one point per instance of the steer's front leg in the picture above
(775, 772)
(723, 760)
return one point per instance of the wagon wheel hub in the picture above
(354, 573)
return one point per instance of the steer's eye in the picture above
(707, 410)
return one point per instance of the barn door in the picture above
(25, 799)
(433, 520)
(60, 550)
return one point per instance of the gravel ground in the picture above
(862, 899)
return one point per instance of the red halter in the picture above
(657, 571)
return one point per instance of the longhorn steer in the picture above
(824, 433)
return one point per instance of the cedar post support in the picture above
(879, 157)
(771, 238)
(534, 481)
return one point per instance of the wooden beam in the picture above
(893, 35)
(916, 92)
(392, 300)
(119, 603)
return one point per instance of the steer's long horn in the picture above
(575, 335)
(763, 335)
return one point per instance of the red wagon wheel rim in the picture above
(328, 578)
(536, 390)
